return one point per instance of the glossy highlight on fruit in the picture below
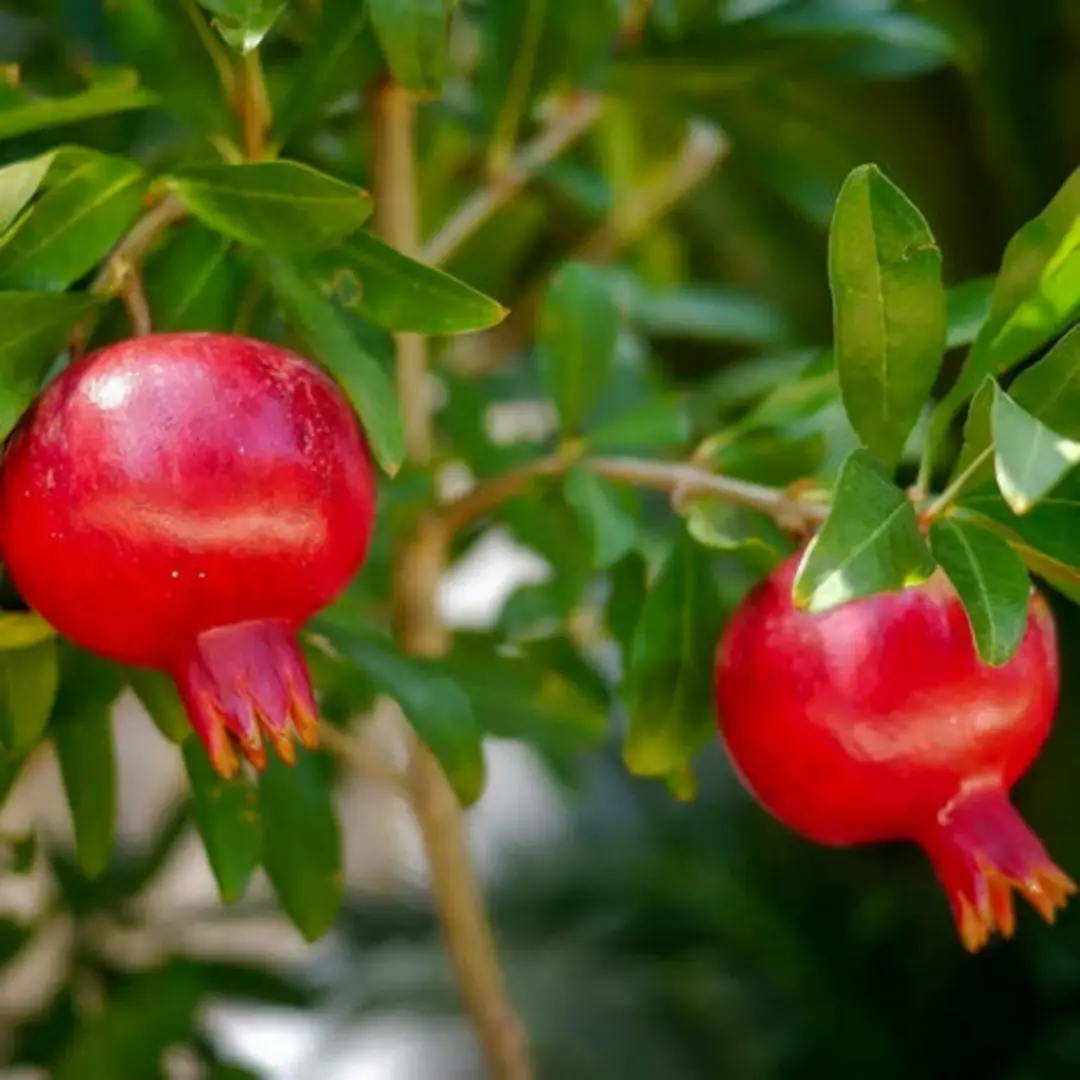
(878, 721)
(185, 502)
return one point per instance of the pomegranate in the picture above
(184, 502)
(878, 721)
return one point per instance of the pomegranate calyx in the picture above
(244, 683)
(982, 850)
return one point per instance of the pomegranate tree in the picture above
(877, 720)
(184, 502)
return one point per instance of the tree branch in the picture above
(569, 125)
(418, 566)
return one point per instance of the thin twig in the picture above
(419, 561)
(568, 126)
(943, 501)
(138, 243)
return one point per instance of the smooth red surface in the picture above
(877, 720)
(177, 483)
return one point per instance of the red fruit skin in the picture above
(185, 502)
(878, 721)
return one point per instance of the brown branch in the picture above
(568, 126)
(419, 560)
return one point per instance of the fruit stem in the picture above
(419, 561)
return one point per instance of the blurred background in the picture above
(643, 937)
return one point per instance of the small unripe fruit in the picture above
(878, 721)
(185, 502)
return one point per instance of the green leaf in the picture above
(20, 629)
(194, 281)
(751, 538)
(436, 707)
(159, 697)
(19, 184)
(1036, 294)
(73, 225)
(332, 341)
(1029, 458)
(227, 816)
(611, 531)
(301, 842)
(968, 307)
(658, 423)
(669, 683)
(888, 309)
(33, 330)
(37, 114)
(579, 329)
(82, 732)
(28, 679)
(281, 206)
(869, 544)
(413, 36)
(244, 23)
(399, 293)
(992, 583)
(176, 56)
(326, 56)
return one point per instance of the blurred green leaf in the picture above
(669, 679)
(611, 531)
(29, 114)
(33, 330)
(399, 293)
(19, 183)
(1036, 294)
(413, 36)
(968, 308)
(227, 816)
(244, 23)
(579, 328)
(194, 282)
(170, 44)
(703, 313)
(82, 731)
(754, 541)
(73, 225)
(656, 424)
(436, 707)
(888, 309)
(1029, 458)
(992, 582)
(301, 842)
(281, 206)
(315, 75)
(332, 341)
(28, 679)
(160, 698)
(18, 629)
(869, 544)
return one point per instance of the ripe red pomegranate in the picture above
(185, 502)
(878, 721)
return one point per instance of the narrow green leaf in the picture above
(657, 423)
(870, 543)
(82, 732)
(579, 329)
(73, 225)
(281, 206)
(888, 309)
(319, 69)
(227, 817)
(669, 678)
(1029, 458)
(301, 842)
(19, 184)
(159, 697)
(244, 23)
(399, 293)
(992, 583)
(968, 308)
(176, 55)
(1037, 293)
(20, 629)
(37, 114)
(611, 531)
(703, 313)
(332, 341)
(33, 329)
(28, 679)
(436, 707)
(413, 36)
